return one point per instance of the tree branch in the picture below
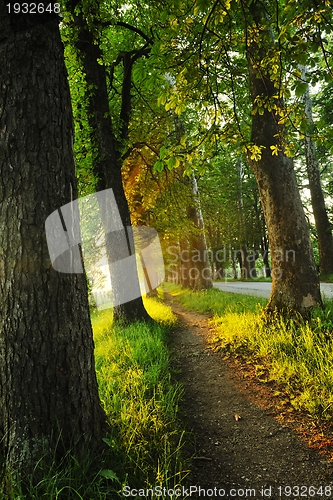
(106, 24)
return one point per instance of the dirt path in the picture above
(238, 447)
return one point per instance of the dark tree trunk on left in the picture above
(48, 390)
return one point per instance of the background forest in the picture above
(174, 88)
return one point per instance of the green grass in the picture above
(140, 399)
(260, 279)
(141, 402)
(326, 278)
(214, 301)
(295, 353)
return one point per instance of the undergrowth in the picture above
(140, 399)
(143, 446)
(295, 353)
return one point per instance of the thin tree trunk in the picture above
(49, 399)
(295, 284)
(244, 263)
(233, 263)
(219, 271)
(264, 253)
(252, 257)
(201, 266)
(200, 274)
(323, 226)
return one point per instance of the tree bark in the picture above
(323, 226)
(107, 162)
(48, 390)
(264, 253)
(244, 263)
(295, 283)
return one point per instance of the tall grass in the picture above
(140, 399)
(293, 352)
(141, 402)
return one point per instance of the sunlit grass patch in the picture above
(229, 328)
(295, 353)
(139, 397)
(101, 322)
(214, 301)
(159, 311)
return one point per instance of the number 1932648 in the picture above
(305, 491)
(33, 8)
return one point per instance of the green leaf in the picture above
(183, 141)
(162, 99)
(163, 152)
(109, 474)
(169, 105)
(302, 58)
(164, 16)
(139, 73)
(180, 108)
(171, 162)
(159, 166)
(300, 89)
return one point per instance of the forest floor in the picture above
(245, 439)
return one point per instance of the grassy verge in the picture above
(214, 301)
(259, 279)
(141, 402)
(140, 399)
(294, 353)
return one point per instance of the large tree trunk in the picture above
(107, 162)
(48, 391)
(323, 226)
(295, 283)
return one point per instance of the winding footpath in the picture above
(238, 449)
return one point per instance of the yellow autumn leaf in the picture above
(275, 150)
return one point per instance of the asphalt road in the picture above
(260, 289)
